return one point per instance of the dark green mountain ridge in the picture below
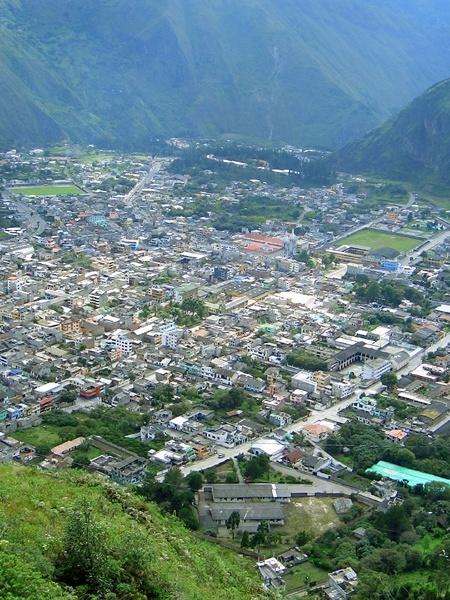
(116, 73)
(413, 146)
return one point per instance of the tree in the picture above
(305, 360)
(389, 379)
(84, 560)
(256, 467)
(68, 395)
(376, 586)
(302, 538)
(189, 517)
(233, 521)
(194, 480)
(163, 394)
(386, 560)
(394, 521)
(245, 541)
(211, 475)
(19, 580)
(260, 537)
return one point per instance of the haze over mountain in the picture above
(413, 146)
(309, 72)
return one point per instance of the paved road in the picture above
(418, 359)
(34, 223)
(413, 257)
(154, 168)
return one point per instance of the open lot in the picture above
(313, 515)
(48, 190)
(43, 435)
(375, 239)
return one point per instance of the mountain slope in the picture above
(315, 72)
(34, 510)
(413, 146)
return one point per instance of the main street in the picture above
(414, 256)
(314, 416)
(155, 166)
(34, 222)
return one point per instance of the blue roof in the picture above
(398, 473)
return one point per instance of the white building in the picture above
(118, 340)
(269, 447)
(303, 380)
(374, 368)
(342, 389)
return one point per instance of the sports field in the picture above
(375, 239)
(66, 189)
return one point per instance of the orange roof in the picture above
(67, 446)
(397, 434)
(316, 429)
(264, 239)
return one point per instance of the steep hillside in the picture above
(311, 72)
(414, 146)
(146, 551)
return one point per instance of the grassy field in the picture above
(304, 574)
(91, 157)
(48, 190)
(375, 239)
(43, 435)
(356, 480)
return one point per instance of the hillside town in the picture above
(138, 334)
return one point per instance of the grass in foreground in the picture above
(35, 506)
(375, 239)
(48, 190)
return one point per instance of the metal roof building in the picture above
(398, 473)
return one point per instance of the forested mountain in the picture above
(310, 72)
(413, 146)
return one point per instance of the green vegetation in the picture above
(305, 575)
(175, 495)
(253, 211)
(375, 239)
(404, 552)
(48, 190)
(73, 529)
(207, 168)
(308, 518)
(388, 292)
(208, 90)
(413, 146)
(235, 398)
(367, 445)
(305, 360)
(189, 312)
(78, 259)
(389, 379)
(113, 424)
(224, 473)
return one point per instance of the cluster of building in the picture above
(112, 292)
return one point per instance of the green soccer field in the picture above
(374, 239)
(48, 190)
